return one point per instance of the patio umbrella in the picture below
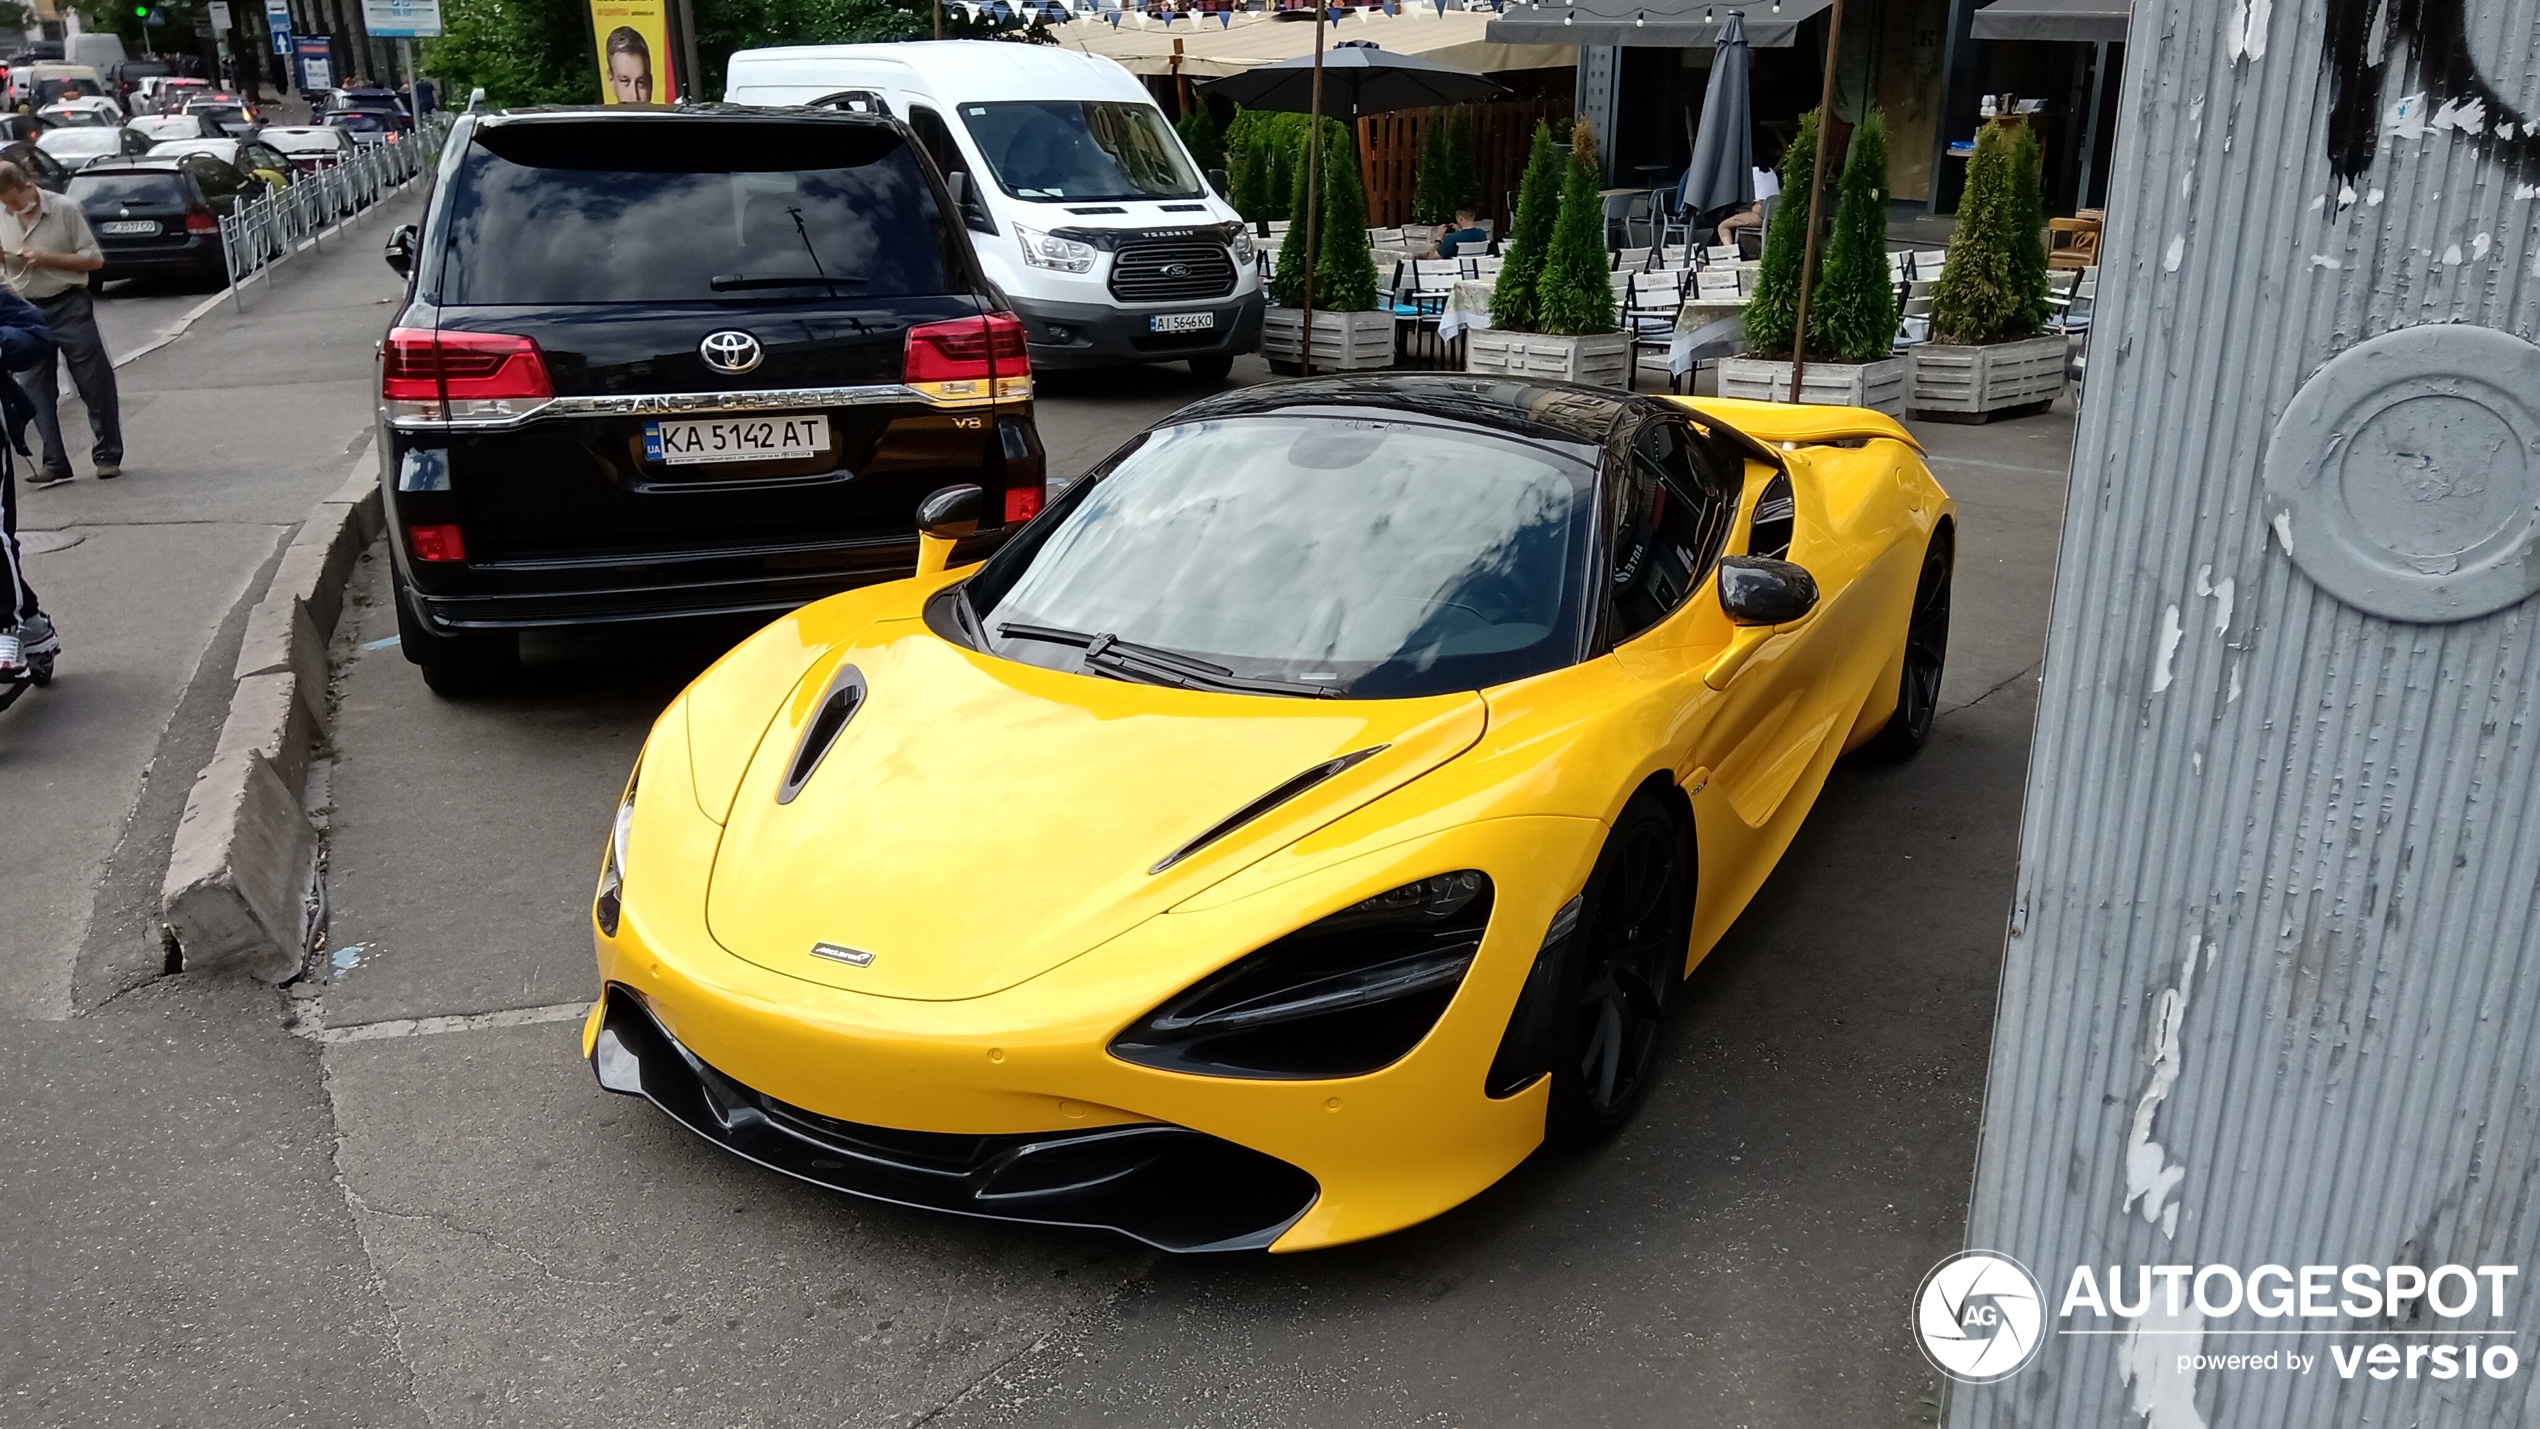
(1722, 173)
(1358, 78)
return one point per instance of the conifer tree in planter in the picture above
(1571, 331)
(1851, 306)
(1989, 353)
(1460, 180)
(1512, 300)
(1351, 333)
(1429, 201)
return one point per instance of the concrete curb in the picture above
(235, 896)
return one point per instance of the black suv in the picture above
(668, 363)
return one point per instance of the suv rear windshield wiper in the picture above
(1109, 654)
(735, 282)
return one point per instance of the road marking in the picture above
(471, 1022)
(382, 643)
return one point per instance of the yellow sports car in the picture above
(1304, 818)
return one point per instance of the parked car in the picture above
(133, 80)
(43, 84)
(364, 126)
(159, 216)
(76, 146)
(178, 126)
(48, 172)
(1083, 204)
(83, 112)
(252, 156)
(309, 147)
(716, 378)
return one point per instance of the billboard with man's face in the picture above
(635, 54)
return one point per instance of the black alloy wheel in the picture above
(1926, 655)
(1621, 968)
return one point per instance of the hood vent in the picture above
(838, 704)
(1099, 209)
(1267, 802)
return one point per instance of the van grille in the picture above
(1172, 272)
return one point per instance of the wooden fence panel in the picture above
(1389, 154)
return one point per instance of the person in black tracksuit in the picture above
(24, 342)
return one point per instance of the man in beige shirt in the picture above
(48, 252)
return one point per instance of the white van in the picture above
(100, 52)
(1085, 209)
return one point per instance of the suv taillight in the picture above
(970, 359)
(201, 223)
(462, 376)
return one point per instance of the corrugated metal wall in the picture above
(2271, 990)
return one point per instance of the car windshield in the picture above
(168, 126)
(99, 191)
(1368, 556)
(731, 210)
(1080, 149)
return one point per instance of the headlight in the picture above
(1241, 244)
(612, 898)
(1067, 255)
(1344, 996)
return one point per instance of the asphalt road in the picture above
(229, 1205)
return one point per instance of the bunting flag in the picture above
(1225, 19)
(1115, 19)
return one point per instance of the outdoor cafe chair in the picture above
(1622, 210)
(1630, 260)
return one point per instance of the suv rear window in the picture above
(617, 212)
(96, 190)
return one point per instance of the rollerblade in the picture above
(26, 657)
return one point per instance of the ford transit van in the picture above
(1086, 212)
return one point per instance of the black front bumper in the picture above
(1166, 1186)
(1064, 335)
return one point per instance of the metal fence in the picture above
(264, 232)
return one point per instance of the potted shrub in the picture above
(1990, 353)
(1352, 331)
(1851, 306)
(1560, 307)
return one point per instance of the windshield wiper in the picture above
(734, 282)
(1126, 659)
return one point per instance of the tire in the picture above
(1926, 655)
(454, 666)
(1619, 972)
(1213, 369)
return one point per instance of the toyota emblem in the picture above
(731, 351)
(1177, 270)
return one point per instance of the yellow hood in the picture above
(980, 821)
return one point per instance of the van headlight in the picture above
(611, 901)
(1066, 255)
(1241, 245)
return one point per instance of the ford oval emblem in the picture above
(731, 351)
(1177, 270)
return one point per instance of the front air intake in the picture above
(1265, 804)
(838, 704)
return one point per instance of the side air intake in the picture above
(838, 704)
(1266, 803)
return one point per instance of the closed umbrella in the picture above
(1722, 174)
(1358, 78)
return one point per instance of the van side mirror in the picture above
(1217, 180)
(1756, 591)
(401, 250)
(957, 183)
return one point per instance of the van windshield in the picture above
(1078, 149)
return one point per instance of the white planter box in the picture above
(1601, 359)
(1973, 383)
(1343, 342)
(1879, 386)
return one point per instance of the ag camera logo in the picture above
(1979, 1316)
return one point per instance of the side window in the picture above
(1670, 532)
(1769, 536)
(935, 137)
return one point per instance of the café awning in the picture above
(2082, 21)
(1664, 25)
(1455, 39)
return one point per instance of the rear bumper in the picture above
(671, 586)
(200, 254)
(1067, 335)
(1166, 1186)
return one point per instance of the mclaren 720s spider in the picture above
(1308, 815)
